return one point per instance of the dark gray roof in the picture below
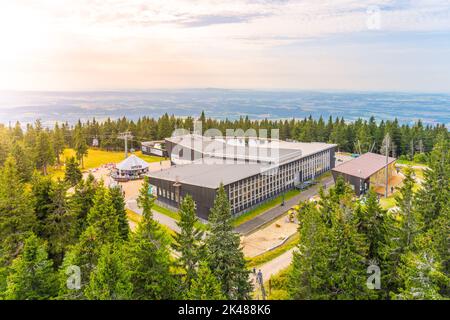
(364, 166)
(208, 175)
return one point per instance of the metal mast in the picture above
(125, 136)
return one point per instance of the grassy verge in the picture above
(136, 218)
(264, 207)
(410, 163)
(272, 254)
(275, 287)
(174, 215)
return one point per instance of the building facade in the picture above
(248, 178)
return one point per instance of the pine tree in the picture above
(119, 206)
(31, 276)
(223, 252)
(148, 255)
(110, 280)
(188, 241)
(72, 173)
(205, 286)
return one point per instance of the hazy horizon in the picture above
(384, 45)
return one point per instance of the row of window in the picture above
(248, 192)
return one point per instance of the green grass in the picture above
(410, 163)
(387, 203)
(97, 158)
(174, 215)
(272, 254)
(276, 286)
(136, 218)
(264, 207)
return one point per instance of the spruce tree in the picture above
(102, 216)
(17, 218)
(348, 268)
(41, 187)
(420, 274)
(188, 242)
(24, 160)
(80, 202)
(434, 195)
(58, 142)
(402, 226)
(310, 264)
(102, 229)
(204, 286)
(223, 252)
(118, 201)
(58, 223)
(44, 155)
(72, 173)
(371, 217)
(148, 255)
(31, 276)
(110, 280)
(81, 147)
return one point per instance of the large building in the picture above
(252, 170)
(369, 170)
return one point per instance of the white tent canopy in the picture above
(132, 163)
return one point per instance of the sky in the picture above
(281, 44)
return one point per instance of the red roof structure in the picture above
(364, 166)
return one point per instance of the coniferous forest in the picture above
(69, 238)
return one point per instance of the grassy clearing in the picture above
(272, 254)
(97, 158)
(264, 207)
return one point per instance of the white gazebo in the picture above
(131, 168)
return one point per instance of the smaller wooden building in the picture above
(368, 170)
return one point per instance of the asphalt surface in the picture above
(271, 214)
(161, 218)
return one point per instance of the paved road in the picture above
(161, 218)
(271, 214)
(276, 265)
(249, 226)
